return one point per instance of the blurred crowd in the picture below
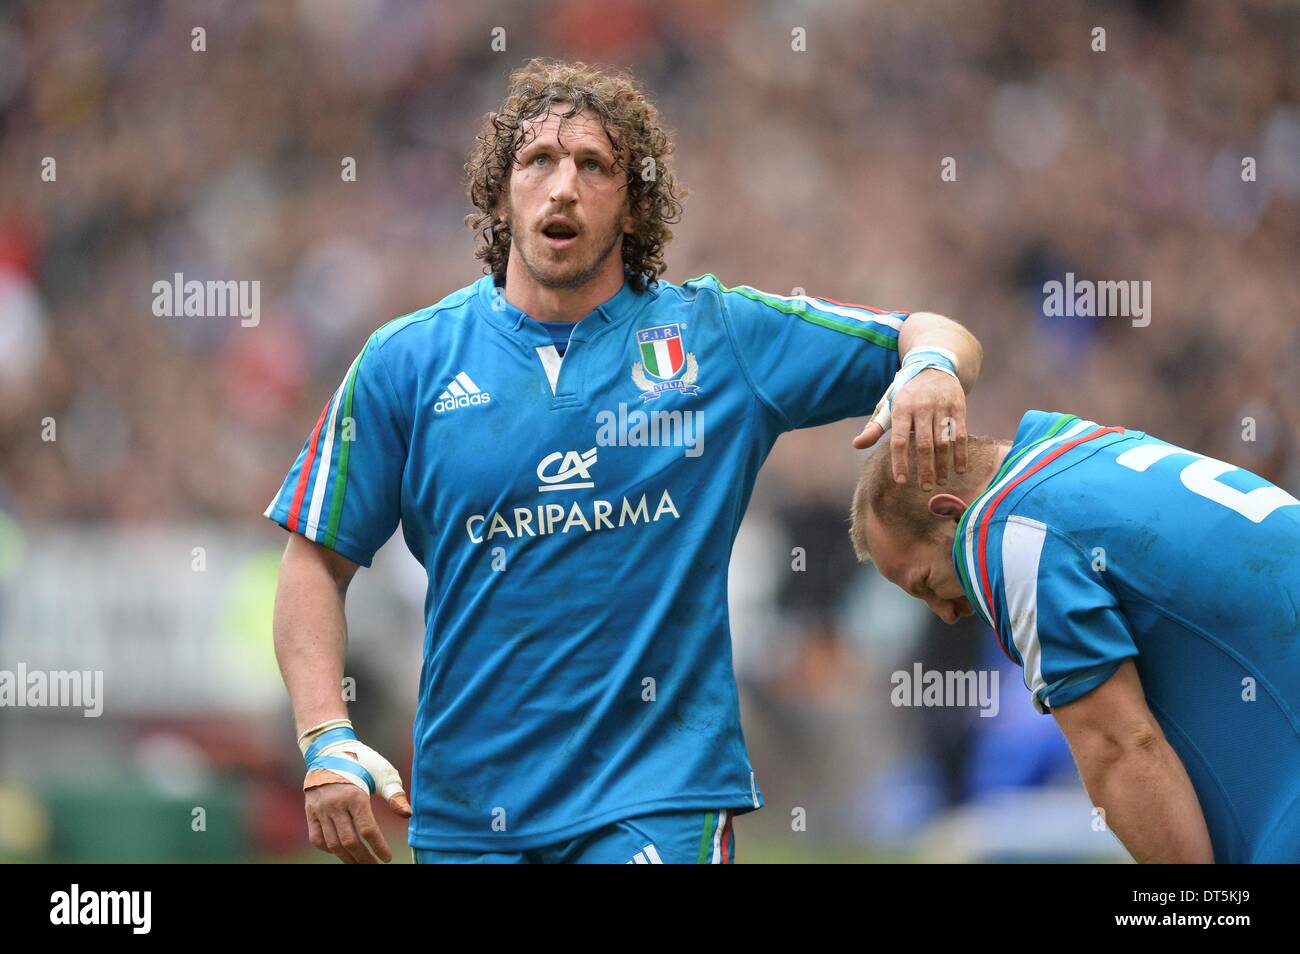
(813, 161)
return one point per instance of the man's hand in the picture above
(342, 774)
(931, 404)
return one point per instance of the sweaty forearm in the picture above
(1150, 803)
(926, 329)
(310, 640)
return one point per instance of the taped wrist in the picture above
(333, 753)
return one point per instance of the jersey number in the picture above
(1201, 477)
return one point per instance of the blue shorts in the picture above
(673, 838)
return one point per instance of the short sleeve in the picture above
(1064, 621)
(812, 360)
(344, 490)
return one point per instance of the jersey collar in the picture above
(1029, 435)
(492, 300)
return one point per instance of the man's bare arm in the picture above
(1131, 771)
(310, 644)
(311, 630)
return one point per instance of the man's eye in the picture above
(540, 160)
(593, 165)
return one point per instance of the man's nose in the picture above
(944, 609)
(564, 184)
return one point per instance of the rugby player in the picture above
(1151, 595)
(569, 444)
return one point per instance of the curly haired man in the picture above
(539, 435)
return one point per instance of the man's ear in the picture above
(947, 505)
(502, 209)
(634, 217)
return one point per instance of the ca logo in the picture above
(572, 465)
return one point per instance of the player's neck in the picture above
(982, 477)
(561, 304)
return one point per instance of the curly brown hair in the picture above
(633, 125)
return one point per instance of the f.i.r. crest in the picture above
(663, 357)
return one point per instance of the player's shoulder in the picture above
(444, 318)
(1063, 464)
(1049, 445)
(741, 306)
(708, 287)
(697, 299)
(752, 311)
(704, 289)
(1023, 505)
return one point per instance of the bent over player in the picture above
(569, 445)
(1151, 595)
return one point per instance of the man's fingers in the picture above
(315, 835)
(870, 434)
(332, 843)
(959, 440)
(923, 426)
(942, 447)
(388, 782)
(400, 805)
(902, 427)
(353, 847)
(364, 822)
(331, 808)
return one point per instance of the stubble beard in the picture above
(579, 275)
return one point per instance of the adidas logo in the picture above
(646, 856)
(462, 392)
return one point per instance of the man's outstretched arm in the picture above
(931, 404)
(1131, 771)
(310, 645)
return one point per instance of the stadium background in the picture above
(133, 542)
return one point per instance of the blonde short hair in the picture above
(904, 508)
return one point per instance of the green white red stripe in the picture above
(323, 475)
(975, 525)
(716, 845)
(965, 541)
(860, 321)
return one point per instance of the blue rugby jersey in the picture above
(575, 517)
(1093, 545)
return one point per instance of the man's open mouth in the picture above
(560, 231)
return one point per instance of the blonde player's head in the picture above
(908, 532)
